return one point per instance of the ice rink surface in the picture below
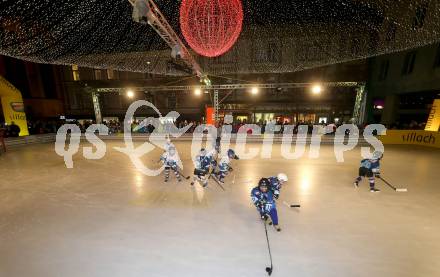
(103, 218)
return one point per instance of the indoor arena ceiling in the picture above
(278, 36)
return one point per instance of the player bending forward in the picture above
(276, 182)
(170, 159)
(370, 168)
(263, 199)
(224, 165)
(203, 163)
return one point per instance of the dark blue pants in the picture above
(221, 175)
(273, 215)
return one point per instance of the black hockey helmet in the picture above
(264, 182)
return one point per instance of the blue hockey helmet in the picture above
(231, 154)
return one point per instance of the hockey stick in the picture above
(186, 177)
(268, 269)
(215, 179)
(391, 186)
(291, 205)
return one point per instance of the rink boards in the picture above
(402, 137)
(411, 137)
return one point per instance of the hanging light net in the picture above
(277, 36)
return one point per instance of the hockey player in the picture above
(263, 199)
(276, 182)
(370, 168)
(203, 163)
(168, 144)
(170, 159)
(224, 165)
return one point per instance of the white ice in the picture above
(103, 218)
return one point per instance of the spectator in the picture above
(14, 130)
(2, 135)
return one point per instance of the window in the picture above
(408, 64)
(267, 53)
(172, 101)
(110, 74)
(98, 74)
(437, 57)
(419, 18)
(75, 72)
(322, 120)
(48, 81)
(356, 45)
(149, 97)
(391, 32)
(227, 58)
(273, 52)
(260, 55)
(384, 70)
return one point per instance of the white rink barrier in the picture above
(325, 139)
(46, 138)
(27, 140)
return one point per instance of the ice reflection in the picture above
(305, 179)
(199, 191)
(248, 180)
(139, 183)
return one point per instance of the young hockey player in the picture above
(263, 199)
(203, 163)
(170, 159)
(370, 168)
(276, 182)
(168, 144)
(224, 166)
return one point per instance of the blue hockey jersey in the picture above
(275, 186)
(203, 162)
(264, 201)
(373, 165)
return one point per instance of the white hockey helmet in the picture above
(377, 155)
(282, 177)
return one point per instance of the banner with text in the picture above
(433, 122)
(411, 137)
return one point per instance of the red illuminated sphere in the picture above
(211, 27)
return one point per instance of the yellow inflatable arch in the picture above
(13, 107)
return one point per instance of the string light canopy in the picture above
(277, 36)
(211, 27)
